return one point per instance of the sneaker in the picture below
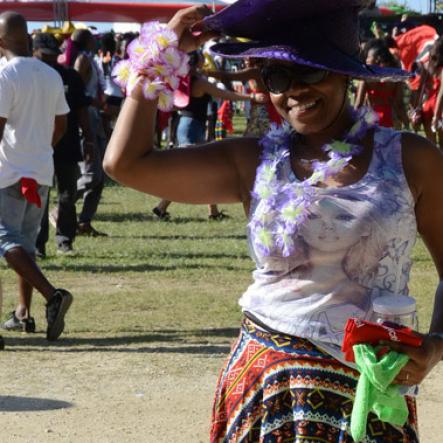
(40, 252)
(88, 230)
(162, 215)
(219, 216)
(53, 216)
(15, 324)
(56, 310)
(65, 248)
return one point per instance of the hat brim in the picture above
(327, 57)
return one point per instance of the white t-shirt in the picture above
(3, 62)
(31, 95)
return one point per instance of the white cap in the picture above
(394, 305)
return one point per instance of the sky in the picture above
(418, 5)
(101, 27)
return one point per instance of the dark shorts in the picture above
(113, 100)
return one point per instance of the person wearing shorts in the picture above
(32, 119)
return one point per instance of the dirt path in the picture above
(108, 390)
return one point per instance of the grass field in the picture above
(149, 274)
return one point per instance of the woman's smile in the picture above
(303, 109)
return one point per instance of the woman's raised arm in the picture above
(218, 173)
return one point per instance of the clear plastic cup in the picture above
(398, 309)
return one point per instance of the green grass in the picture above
(149, 275)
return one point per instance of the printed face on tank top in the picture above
(333, 225)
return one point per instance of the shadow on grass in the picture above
(180, 237)
(98, 269)
(145, 217)
(122, 217)
(178, 255)
(184, 220)
(181, 342)
(196, 350)
(10, 403)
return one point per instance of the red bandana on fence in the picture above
(29, 188)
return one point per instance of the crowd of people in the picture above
(58, 105)
(326, 219)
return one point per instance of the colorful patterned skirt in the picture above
(279, 388)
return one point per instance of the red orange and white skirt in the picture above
(279, 388)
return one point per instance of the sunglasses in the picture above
(279, 78)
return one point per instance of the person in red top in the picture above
(427, 103)
(412, 46)
(385, 98)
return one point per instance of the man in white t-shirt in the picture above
(32, 119)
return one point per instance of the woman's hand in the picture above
(421, 359)
(187, 24)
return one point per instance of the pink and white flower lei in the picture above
(154, 61)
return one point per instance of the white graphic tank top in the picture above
(354, 246)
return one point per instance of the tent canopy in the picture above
(137, 11)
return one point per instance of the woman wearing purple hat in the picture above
(334, 202)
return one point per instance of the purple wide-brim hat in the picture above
(317, 33)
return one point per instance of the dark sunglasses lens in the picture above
(279, 79)
(312, 76)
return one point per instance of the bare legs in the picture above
(161, 210)
(213, 211)
(24, 265)
(163, 205)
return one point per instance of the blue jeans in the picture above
(190, 131)
(19, 219)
